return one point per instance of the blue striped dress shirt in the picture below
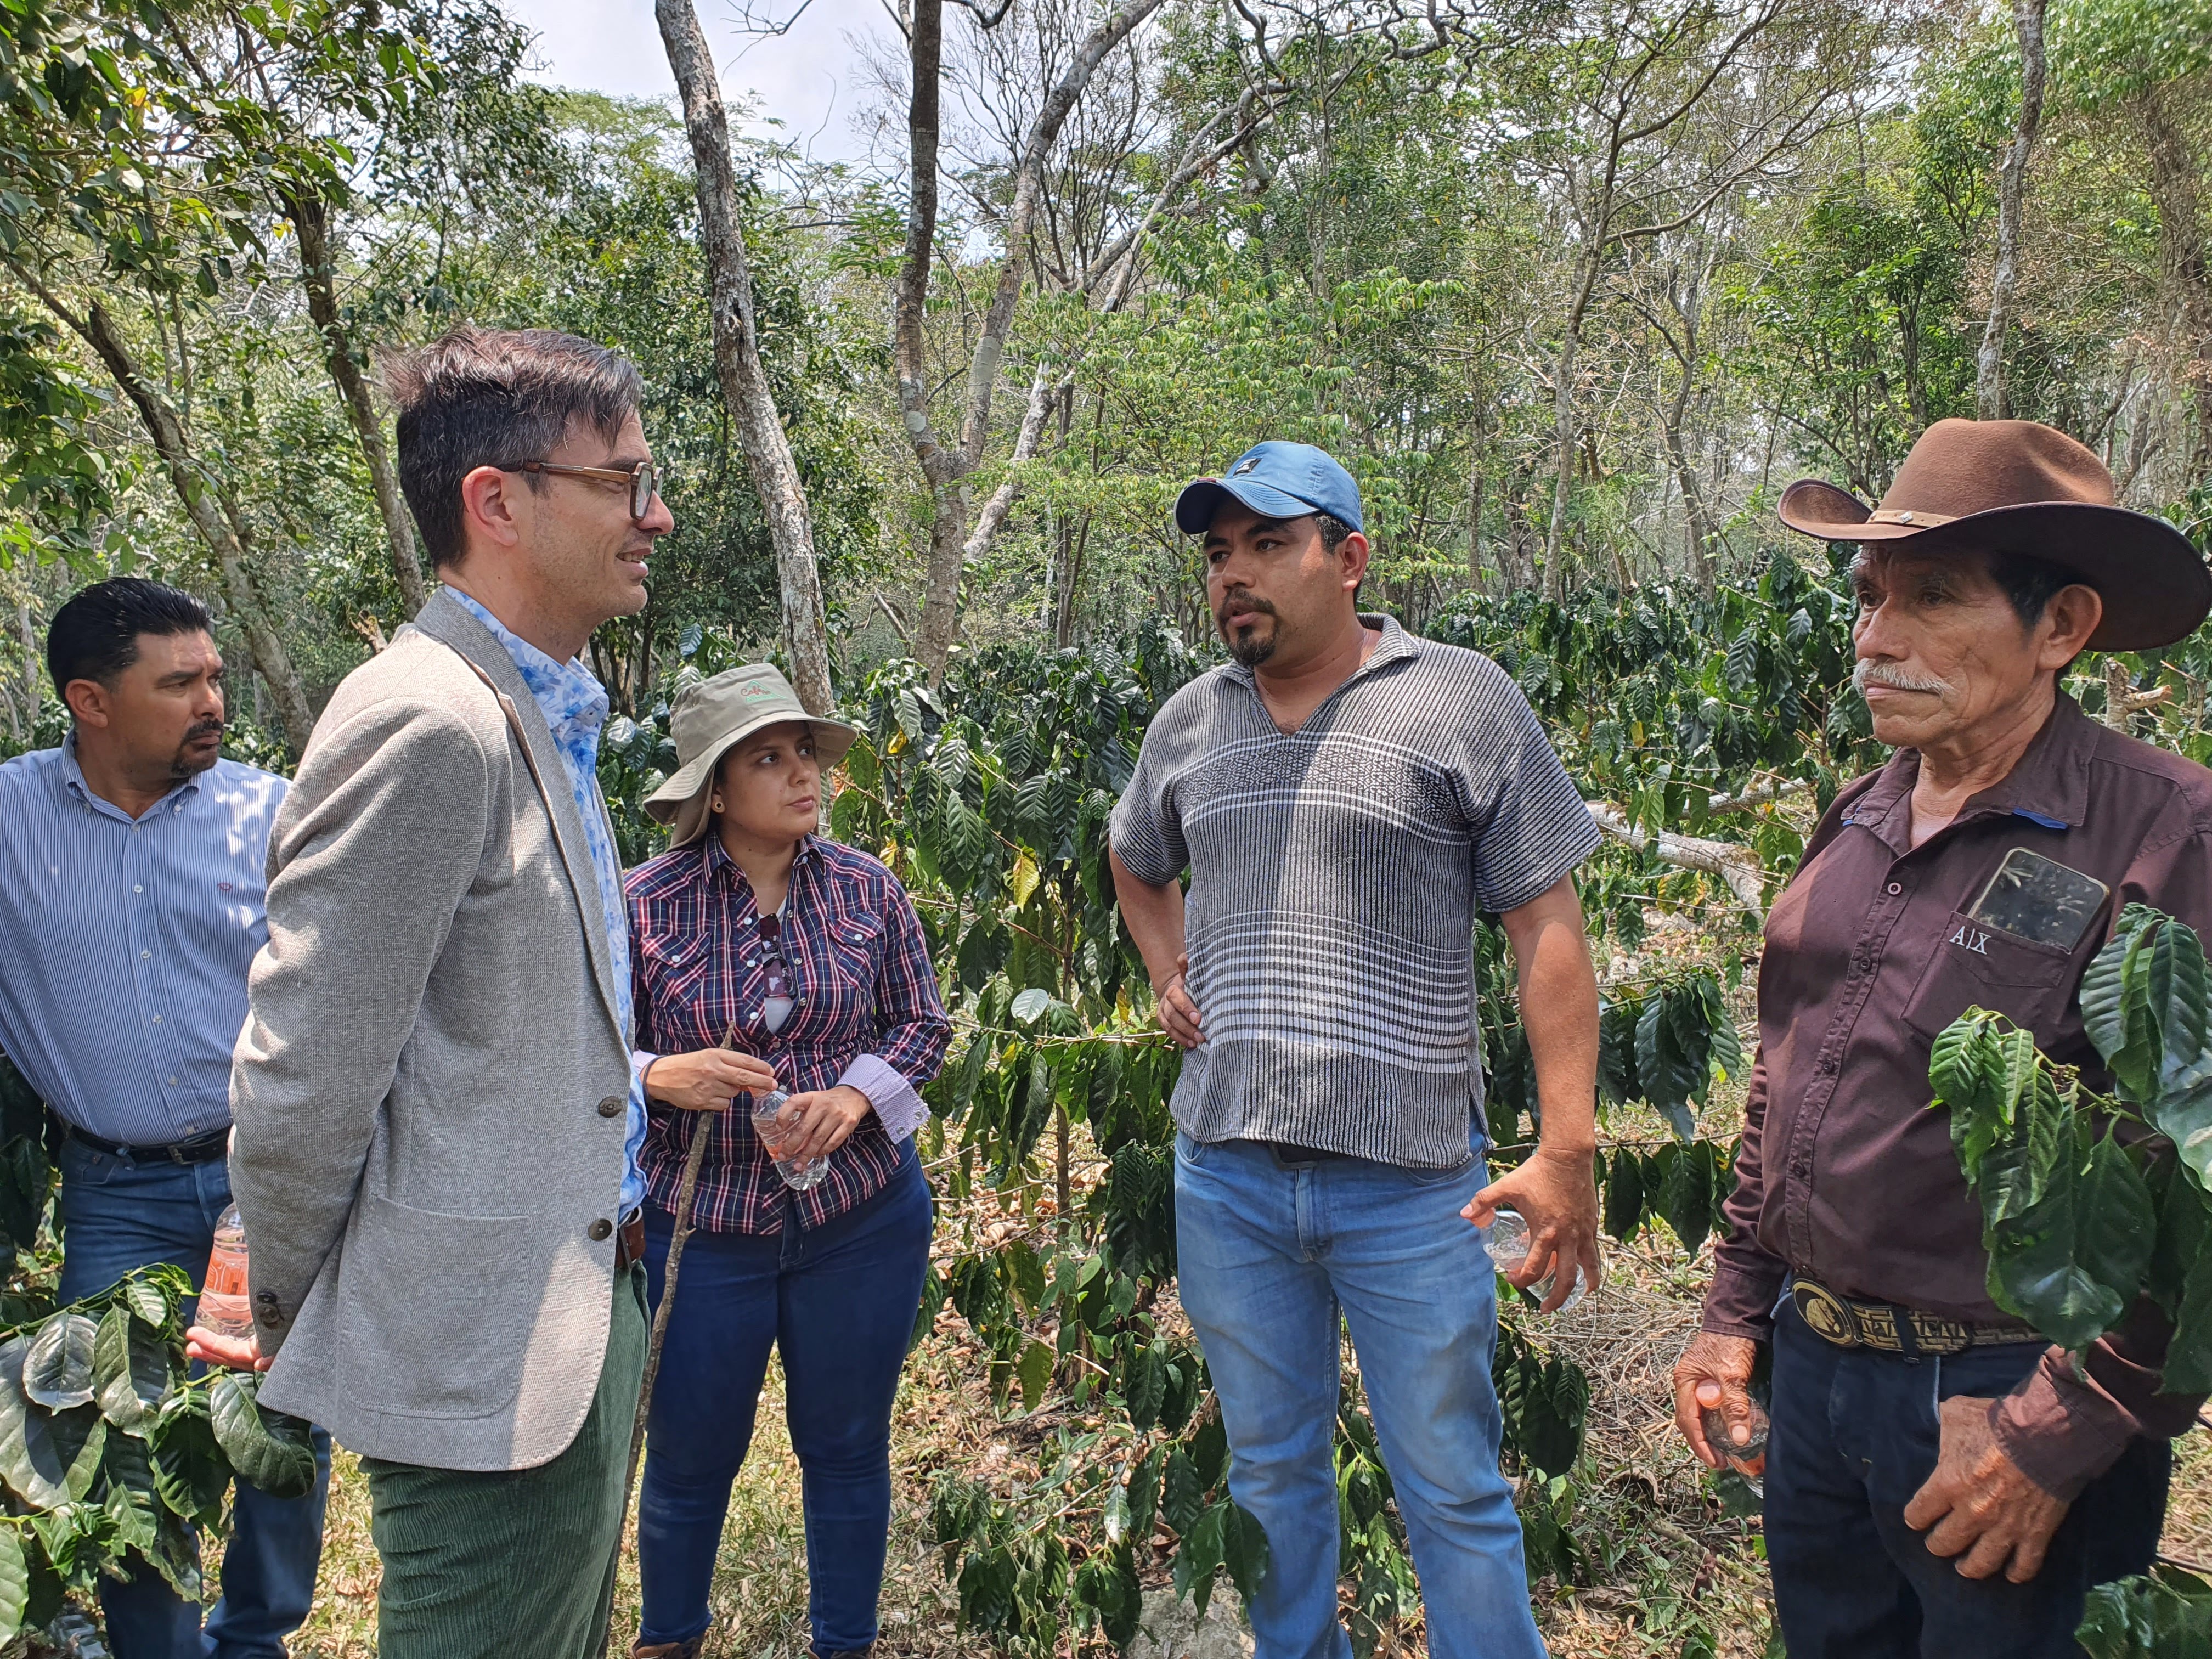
(124, 945)
(575, 706)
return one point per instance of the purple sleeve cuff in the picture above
(900, 1109)
(640, 1063)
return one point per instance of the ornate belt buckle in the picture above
(1826, 1315)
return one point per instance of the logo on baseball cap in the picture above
(1276, 481)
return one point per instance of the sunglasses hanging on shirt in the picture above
(778, 996)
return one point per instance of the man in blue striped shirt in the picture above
(132, 869)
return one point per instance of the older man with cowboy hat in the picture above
(1939, 1480)
(769, 956)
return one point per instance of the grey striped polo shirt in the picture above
(1336, 874)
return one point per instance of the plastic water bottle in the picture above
(225, 1307)
(798, 1174)
(1748, 1457)
(1507, 1242)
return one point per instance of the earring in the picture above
(718, 803)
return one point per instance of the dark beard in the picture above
(1258, 647)
(183, 766)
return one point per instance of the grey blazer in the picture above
(429, 1090)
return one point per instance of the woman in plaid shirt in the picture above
(808, 958)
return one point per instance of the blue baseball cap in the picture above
(1276, 481)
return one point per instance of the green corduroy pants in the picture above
(514, 1564)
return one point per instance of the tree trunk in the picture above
(310, 216)
(945, 466)
(211, 508)
(2185, 267)
(1989, 368)
(745, 389)
(1563, 398)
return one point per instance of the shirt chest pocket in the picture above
(1980, 966)
(856, 951)
(675, 964)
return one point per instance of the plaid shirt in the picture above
(865, 986)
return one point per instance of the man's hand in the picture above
(1178, 1014)
(237, 1354)
(1718, 1368)
(1556, 1192)
(1981, 1507)
(816, 1125)
(704, 1081)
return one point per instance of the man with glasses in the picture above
(438, 1118)
(1346, 797)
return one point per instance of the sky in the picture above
(810, 78)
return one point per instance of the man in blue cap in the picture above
(1346, 797)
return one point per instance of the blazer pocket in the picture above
(427, 1326)
(1981, 966)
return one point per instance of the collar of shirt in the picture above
(73, 782)
(575, 702)
(2048, 786)
(719, 865)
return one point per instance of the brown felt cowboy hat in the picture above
(2019, 487)
(711, 718)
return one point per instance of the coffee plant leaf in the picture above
(2183, 1116)
(1109, 1587)
(24, 1177)
(1183, 1494)
(131, 1372)
(1685, 1196)
(2164, 1615)
(2184, 1229)
(1035, 1372)
(2189, 1355)
(58, 1367)
(28, 1460)
(1243, 1549)
(1114, 1518)
(1624, 1193)
(1197, 1555)
(2116, 1221)
(190, 1472)
(144, 1298)
(1144, 1487)
(2035, 1271)
(15, 1583)
(1209, 1452)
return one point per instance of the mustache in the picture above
(206, 729)
(1867, 671)
(1246, 603)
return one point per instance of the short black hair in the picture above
(2030, 583)
(495, 396)
(96, 635)
(1334, 530)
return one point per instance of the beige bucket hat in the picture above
(711, 718)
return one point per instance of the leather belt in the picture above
(1301, 1157)
(1888, 1327)
(629, 1242)
(200, 1149)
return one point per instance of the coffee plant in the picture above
(2091, 1201)
(113, 1456)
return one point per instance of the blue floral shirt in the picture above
(576, 708)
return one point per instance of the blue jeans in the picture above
(117, 1217)
(1269, 1257)
(1854, 1437)
(838, 1303)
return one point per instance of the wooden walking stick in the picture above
(685, 1191)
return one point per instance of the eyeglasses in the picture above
(643, 479)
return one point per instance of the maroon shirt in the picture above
(1845, 1177)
